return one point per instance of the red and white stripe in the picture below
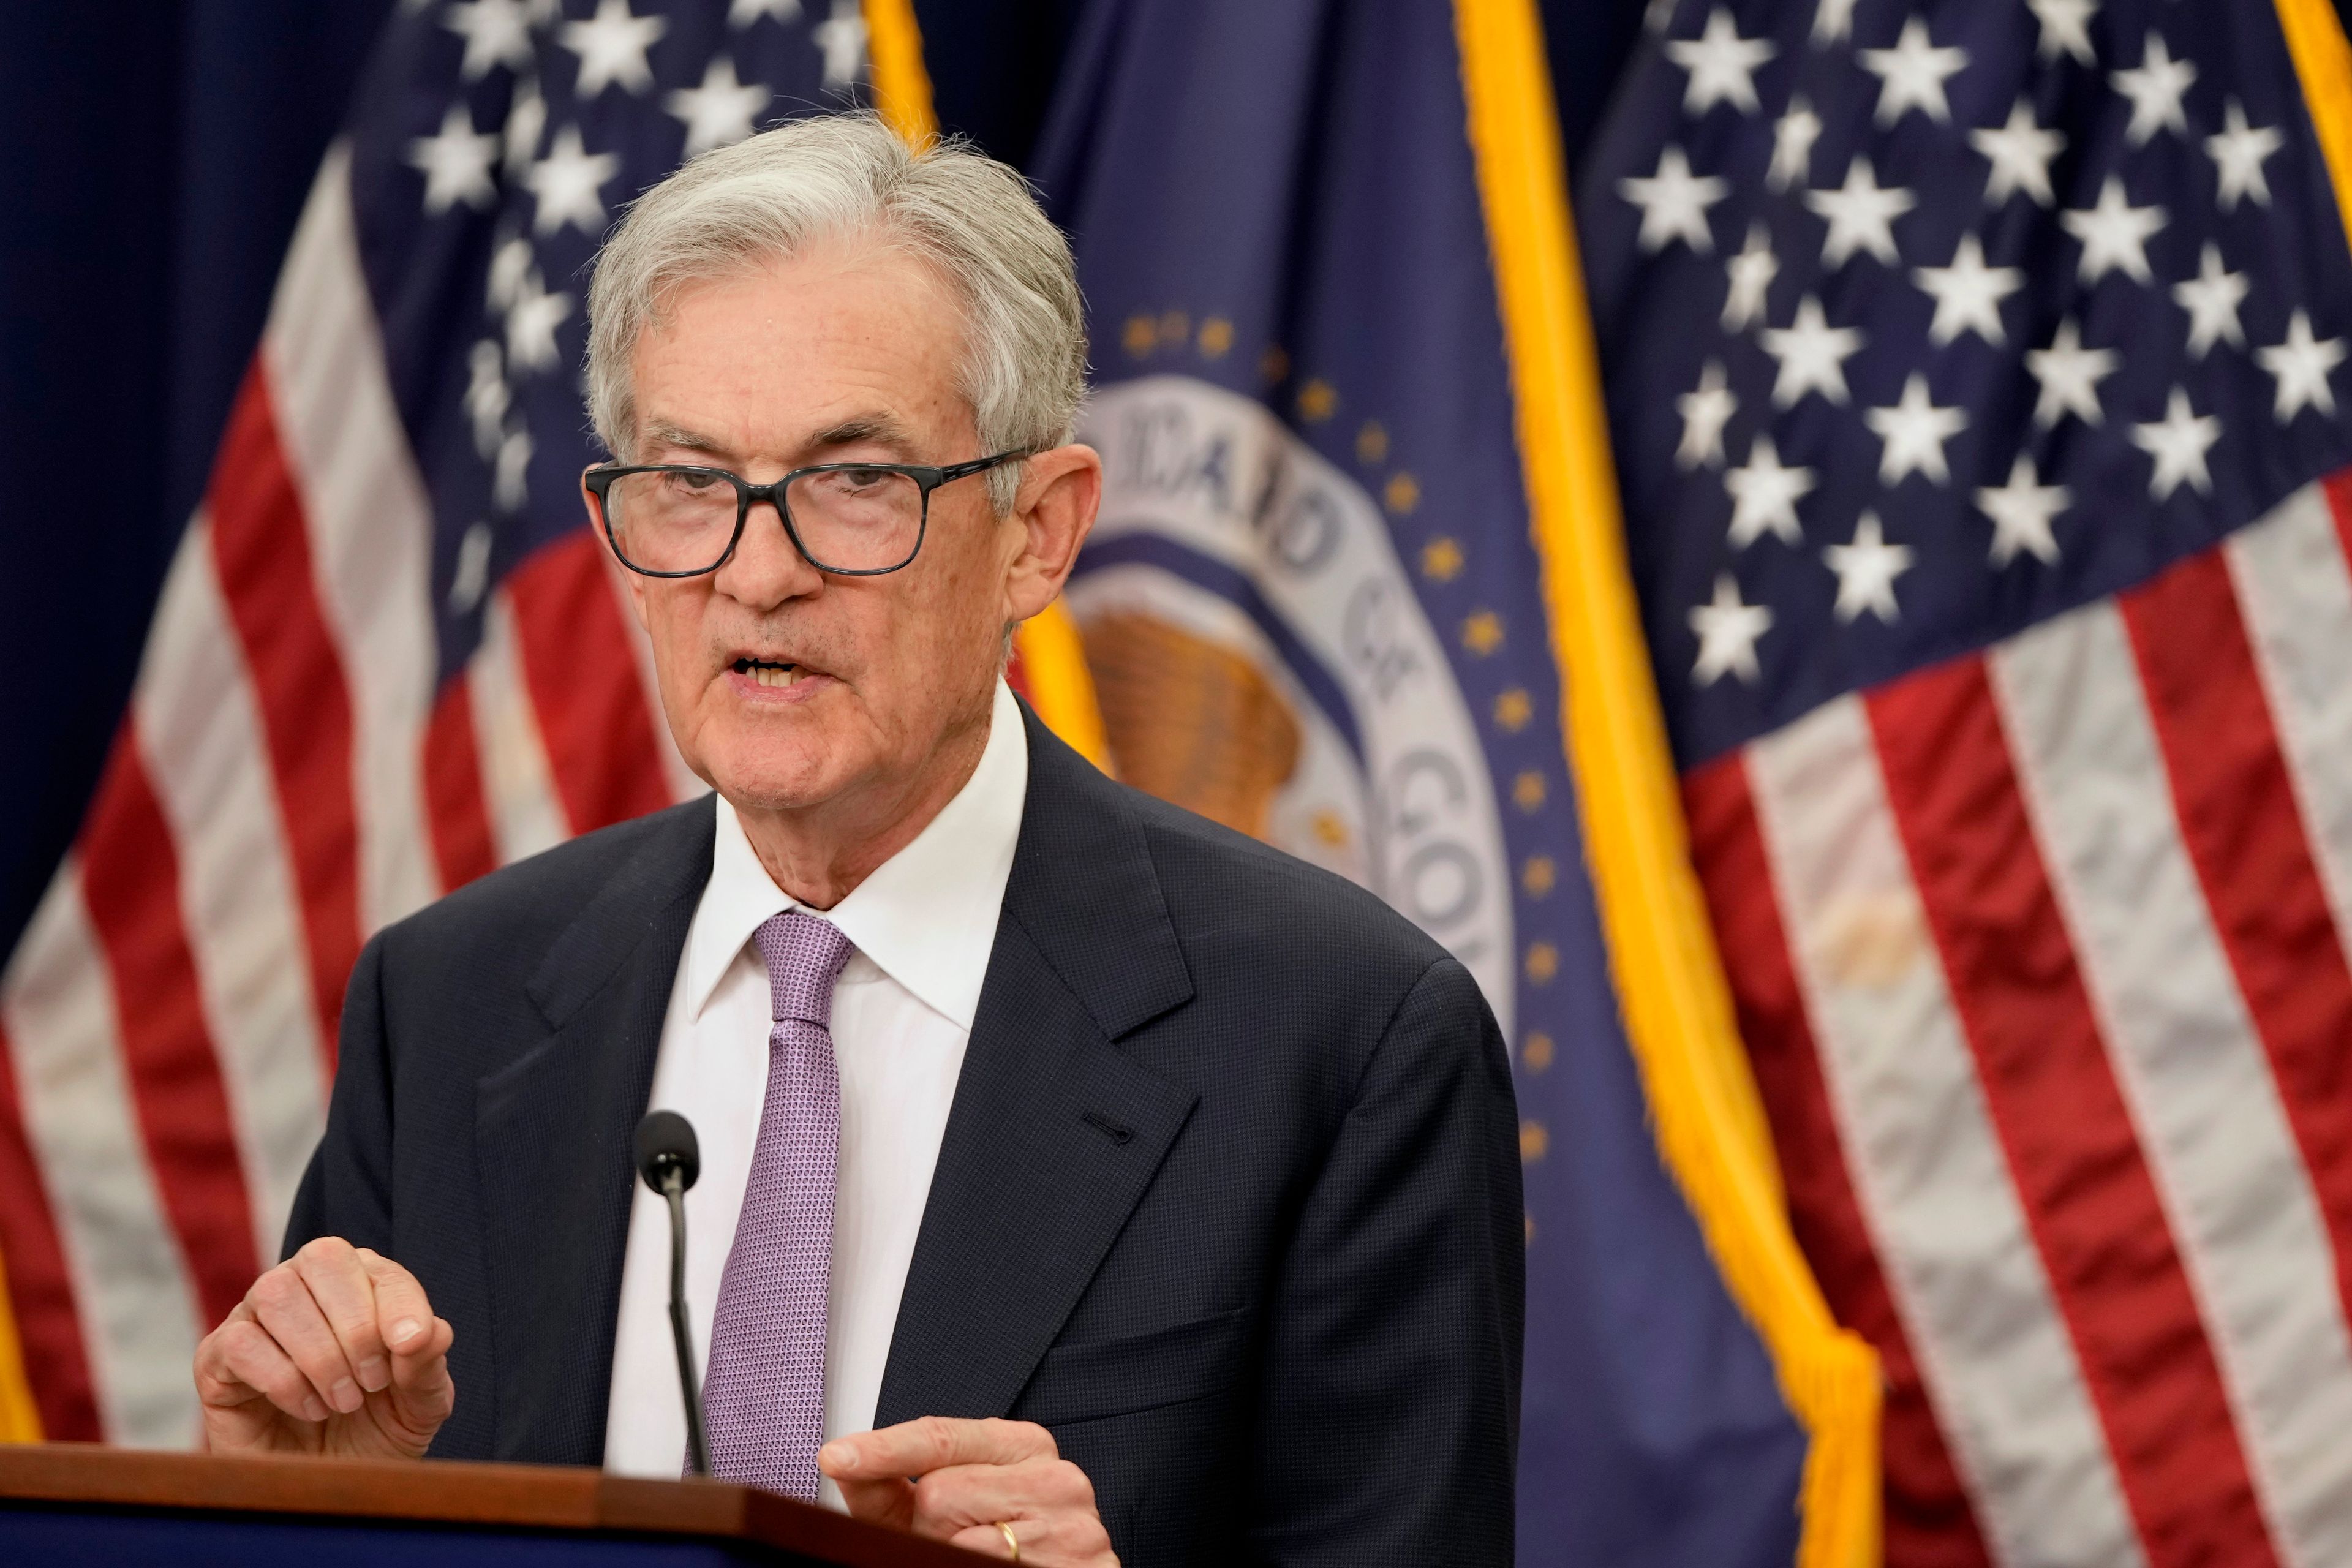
(370, 529)
(288, 781)
(2041, 957)
(1949, 1222)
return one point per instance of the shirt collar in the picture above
(926, 917)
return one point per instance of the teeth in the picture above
(775, 675)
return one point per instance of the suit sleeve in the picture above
(1390, 1426)
(347, 1190)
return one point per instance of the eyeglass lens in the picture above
(682, 519)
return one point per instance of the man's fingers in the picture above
(404, 1317)
(339, 1281)
(950, 1499)
(932, 1443)
(886, 1499)
(241, 1355)
(283, 1304)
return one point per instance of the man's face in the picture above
(849, 352)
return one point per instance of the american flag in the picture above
(1975, 369)
(388, 658)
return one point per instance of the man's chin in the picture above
(785, 783)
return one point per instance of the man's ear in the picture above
(1061, 490)
(637, 584)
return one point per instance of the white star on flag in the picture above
(2114, 234)
(1752, 272)
(496, 33)
(1914, 432)
(1912, 74)
(456, 161)
(2155, 86)
(2211, 299)
(1866, 570)
(1793, 135)
(510, 476)
(719, 113)
(2065, 29)
(1705, 410)
(2179, 442)
(2019, 152)
(1722, 65)
(1861, 214)
(567, 183)
(842, 37)
(525, 119)
(2300, 366)
(2239, 153)
(1833, 22)
(2021, 513)
(1968, 294)
(743, 13)
(1764, 496)
(1727, 631)
(2070, 376)
(471, 580)
(612, 48)
(531, 321)
(1812, 356)
(1674, 202)
(488, 397)
(510, 269)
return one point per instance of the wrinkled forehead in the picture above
(853, 333)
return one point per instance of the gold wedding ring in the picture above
(1012, 1541)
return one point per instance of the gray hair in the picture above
(728, 211)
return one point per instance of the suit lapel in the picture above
(551, 1144)
(1054, 1134)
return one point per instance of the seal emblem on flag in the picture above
(1261, 658)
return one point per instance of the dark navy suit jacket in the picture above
(1228, 1199)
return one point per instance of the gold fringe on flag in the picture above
(2315, 37)
(20, 1418)
(1670, 985)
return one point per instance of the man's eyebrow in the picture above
(879, 428)
(661, 433)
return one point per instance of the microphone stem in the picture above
(698, 1447)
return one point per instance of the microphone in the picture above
(669, 1160)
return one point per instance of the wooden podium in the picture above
(69, 1502)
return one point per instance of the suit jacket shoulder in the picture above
(505, 926)
(1250, 922)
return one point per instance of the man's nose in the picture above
(766, 568)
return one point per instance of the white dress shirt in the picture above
(923, 924)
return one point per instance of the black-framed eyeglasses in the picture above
(852, 520)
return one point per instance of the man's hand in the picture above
(334, 1351)
(965, 1482)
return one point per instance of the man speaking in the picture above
(1082, 1182)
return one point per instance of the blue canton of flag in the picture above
(1923, 323)
(493, 143)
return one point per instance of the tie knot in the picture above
(804, 956)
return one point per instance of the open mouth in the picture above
(768, 672)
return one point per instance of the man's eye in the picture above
(696, 479)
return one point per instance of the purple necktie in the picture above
(764, 1394)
